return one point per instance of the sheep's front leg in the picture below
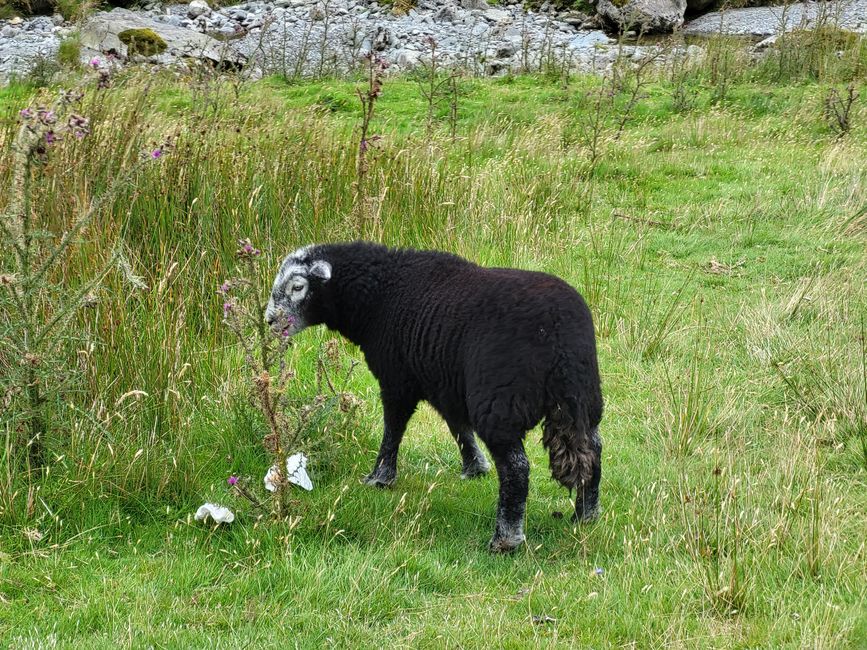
(513, 470)
(474, 461)
(397, 410)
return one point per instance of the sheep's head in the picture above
(300, 275)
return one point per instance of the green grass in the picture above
(723, 257)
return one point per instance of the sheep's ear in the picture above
(321, 269)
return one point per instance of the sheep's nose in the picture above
(271, 312)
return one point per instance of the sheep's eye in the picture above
(297, 287)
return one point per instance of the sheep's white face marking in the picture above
(297, 287)
(292, 288)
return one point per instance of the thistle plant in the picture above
(264, 350)
(36, 310)
(838, 109)
(368, 97)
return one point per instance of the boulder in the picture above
(589, 39)
(102, 33)
(497, 16)
(646, 16)
(198, 8)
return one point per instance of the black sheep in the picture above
(494, 351)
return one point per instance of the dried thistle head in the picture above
(30, 359)
(332, 351)
(262, 380)
(246, 250)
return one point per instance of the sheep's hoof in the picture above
(479, 468)
(587, 516)
(380, 480)
(505, 544)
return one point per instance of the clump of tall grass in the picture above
(690, 415)
(821, 52)
(38, 309)
(716, 526)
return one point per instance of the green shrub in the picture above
(75, 10)
(69, 52)
(142, 41)
(826, 53)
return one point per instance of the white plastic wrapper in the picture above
(219, 514)
(296, 473)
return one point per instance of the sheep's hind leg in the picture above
(513, 470)
(396, 415)
(474, 461)
(587, 501)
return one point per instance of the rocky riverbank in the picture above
(302, 37)
(769, 21)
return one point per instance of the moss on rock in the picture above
(142, 41)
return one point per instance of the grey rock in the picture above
(589, 40)
(101, 33)
(505, 50)
(493, 68)
(198, 8)
(476, 5)
(574, 18)
(650, 16)
(497, 16)
(317, 12)
(767, 21)
(383, 39)
(406, 58)
(765, 43)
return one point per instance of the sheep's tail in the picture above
(570, 431)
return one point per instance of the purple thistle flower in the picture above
(46, 117)
(50, 137)
(157, 153)
(80, 126)
(227, 307)
(224, 288)
(363, 145)
(26, 114)
(232, 480)
(95, 62)
(289, 322)
(246, 249)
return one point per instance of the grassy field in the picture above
(719, 241)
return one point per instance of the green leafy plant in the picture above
(69, 52)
